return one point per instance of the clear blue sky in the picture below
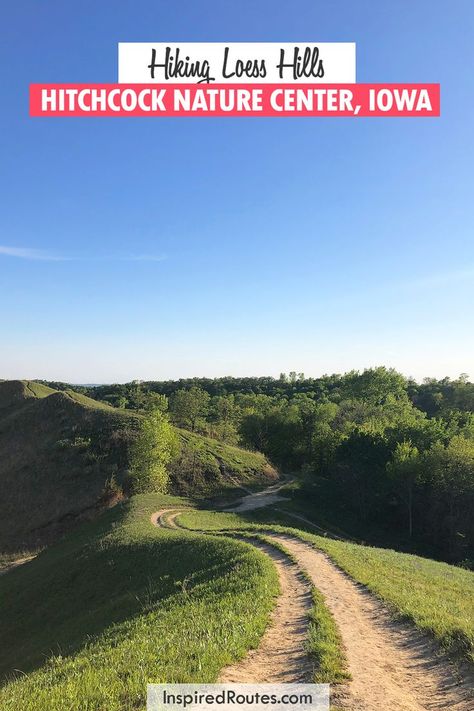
(162, 248)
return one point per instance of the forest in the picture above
(385, 458)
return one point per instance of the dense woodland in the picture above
(375, 449)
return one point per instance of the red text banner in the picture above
(350, 100)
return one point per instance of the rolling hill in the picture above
(120, 602)
(64, 458)
(85, 624)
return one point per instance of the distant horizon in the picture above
(307, 376)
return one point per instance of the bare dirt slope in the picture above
(16, 563)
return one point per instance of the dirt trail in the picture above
(393, 666)
(16, 564)
(281, 655)
(259, 499)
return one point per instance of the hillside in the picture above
(206, 466)
(84, 620)
(378, 455)
(64, 457)
(121, 602)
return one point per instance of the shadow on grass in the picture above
(117, 568)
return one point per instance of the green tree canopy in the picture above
(187, 407)
(152, 451)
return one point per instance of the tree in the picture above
(155, 446)
(156, 401)
(450, 473)
(121, 402)
(374, 384)
(225, 409)
(316, 434)
(325, 440)
(404, 468)
(189, 406)
(136, 396)
(225, 418)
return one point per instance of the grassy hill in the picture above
(64, 457)
(206, 467)
(119, 602)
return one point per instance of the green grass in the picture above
(14, 394)
(207, 467)
(437, 597)
(98, 405)
(120, 603)
(65, 457)
(58, 456)
(217, 521)
(325, 644)
(37, 389)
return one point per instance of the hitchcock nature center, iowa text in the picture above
(255, 100)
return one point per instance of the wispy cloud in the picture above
(45, 256)
(34, 254)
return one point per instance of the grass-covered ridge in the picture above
(16, 393)
(206, 466)
(437, 597)
(64, 457)
(120, 603)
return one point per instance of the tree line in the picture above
(373, 445)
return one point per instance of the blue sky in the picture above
(163, 248)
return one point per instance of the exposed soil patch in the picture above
(16, 563)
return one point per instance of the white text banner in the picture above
(237, 62)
